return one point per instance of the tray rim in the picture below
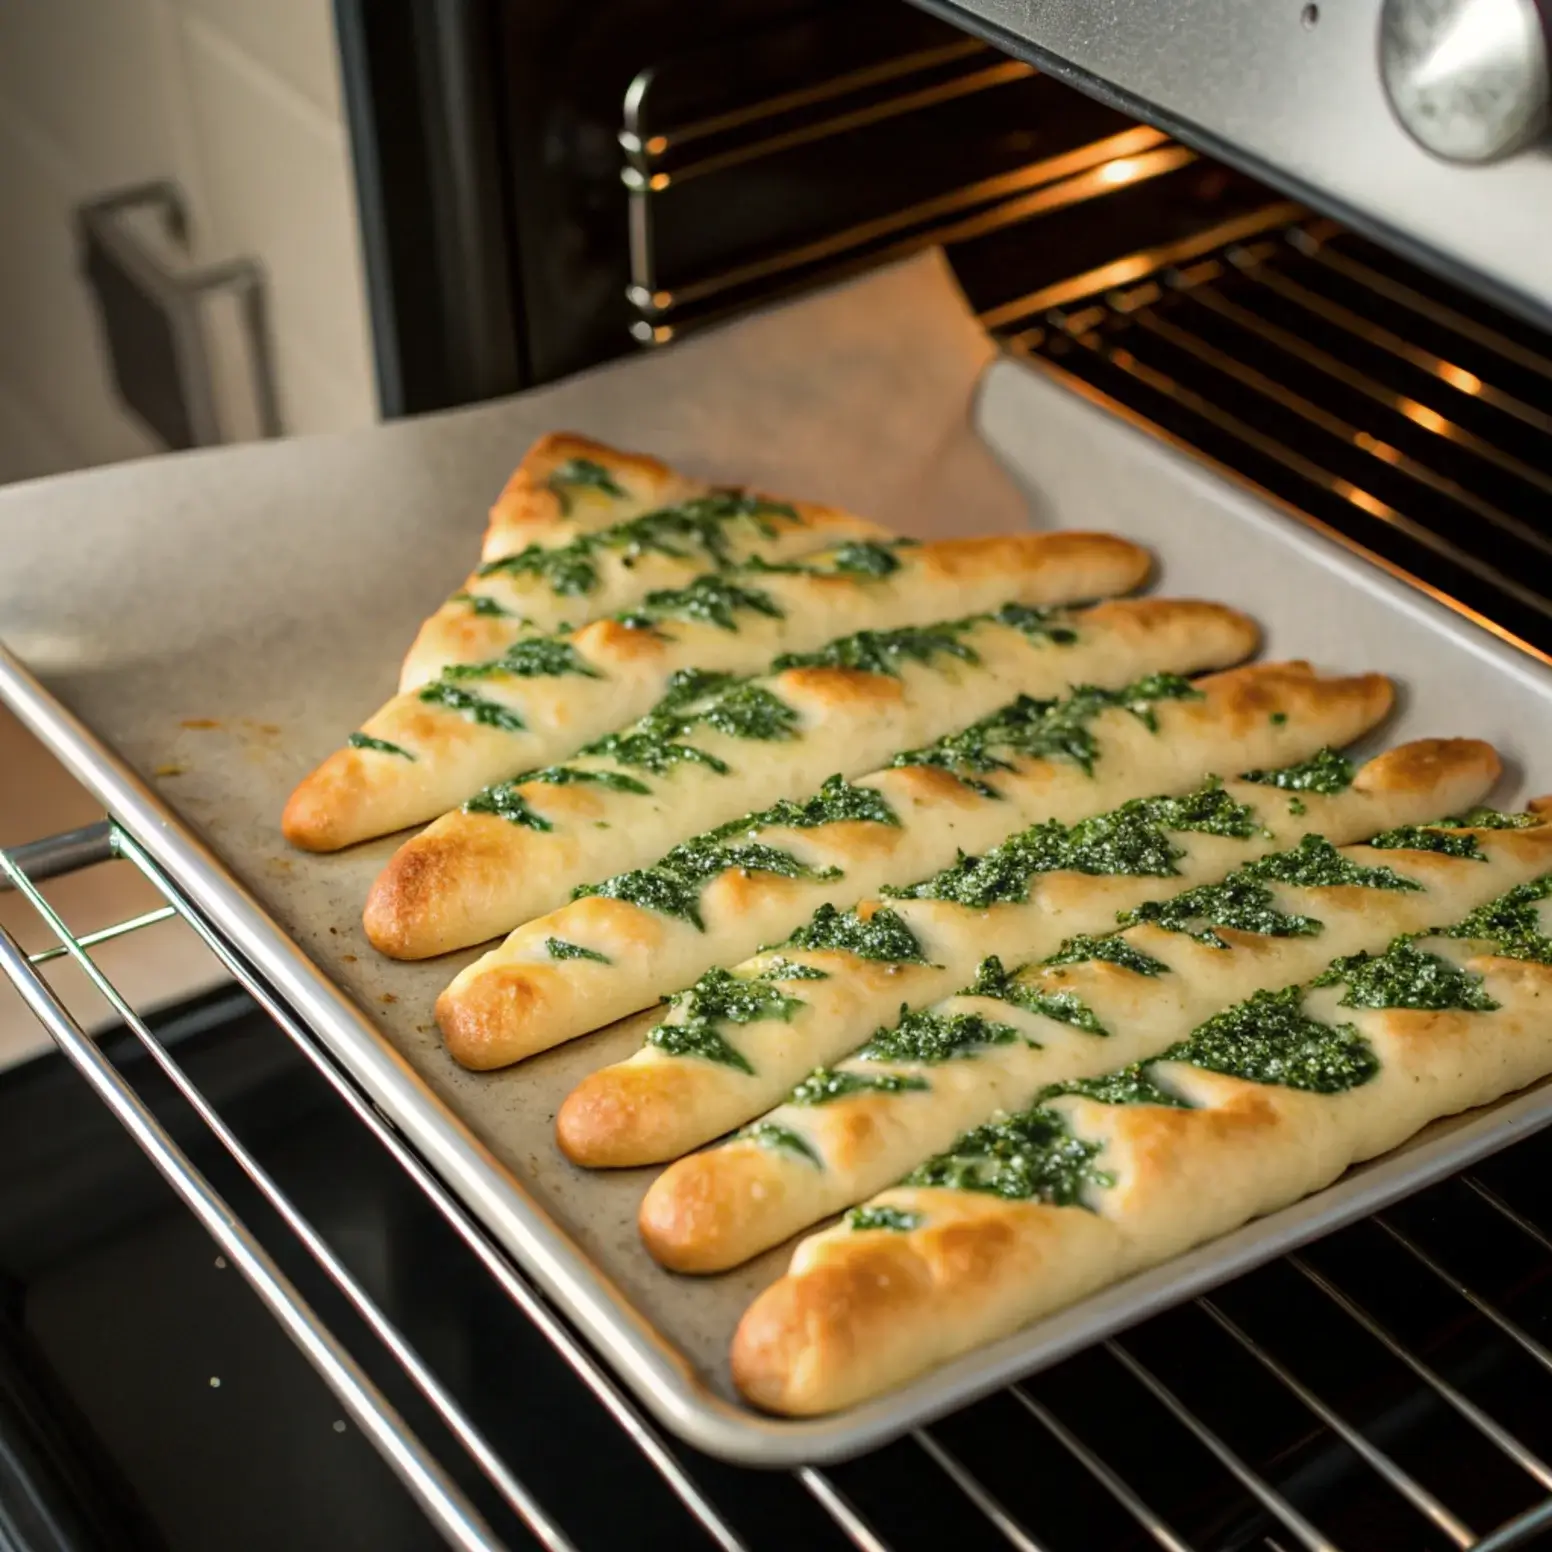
(660, 1377)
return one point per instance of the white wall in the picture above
(239, 102)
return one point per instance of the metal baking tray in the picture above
(199, 630)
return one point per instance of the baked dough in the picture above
(721, 1207)
(1263, 1104)
(521, 849)
(582, 531)
(1019, 902)
(719, 897)
(424, 753)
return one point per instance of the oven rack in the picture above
(977, 1475)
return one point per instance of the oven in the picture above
(1305, 244)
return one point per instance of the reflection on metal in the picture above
(1134, 266)
(847, 123)
(836, 245)
(784, 102)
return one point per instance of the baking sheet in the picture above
(272, 589)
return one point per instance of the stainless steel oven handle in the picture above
(459, 1522)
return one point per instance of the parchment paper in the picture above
(272, 589)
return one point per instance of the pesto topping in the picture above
(883, 652)
(694, 530)
(928, 1037)
(868, 557)
(480, 604)
(1405, 976)
(1444, 836)
(1132, 840)
(581, 473)
(780, 969)
(476, 708)
(1237, 902)
(1027, 1156)
(712, 599)
(697, 698)
(1081, 949)
(1511, 923)
(894, 1219)
(505, 801)
(559, 948)
(1315, 864)
(379, 745)
(1126, 1086)
(719, 994)
(883, 936)
(698, 1040)
(768, 1135)
(1242, 901)
(1325, 771)
(1053, 625)
(534, 657)
(672, 885)
(992, 980)
(570, 775)
(824, 1084)
(1270, 1039)
(1044, 730)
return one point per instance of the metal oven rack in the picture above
(1388, 1387)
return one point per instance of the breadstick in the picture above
(855, 1127)
(582, 531)
(1261, 1105)
(716, 899)
(519, 850)
(1019, 901)
(426, 752)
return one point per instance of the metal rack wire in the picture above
(1236, 1492)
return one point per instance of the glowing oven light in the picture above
(1123, 170)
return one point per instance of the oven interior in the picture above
(1390, 1387)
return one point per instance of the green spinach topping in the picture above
(534, 657)
(868, 557)
(571, 776)
(379, 745)
(894, 1219)
(1132, 840)
(1511, 923)
(783, 1139)
(581, 473)
(559, 948)
(824, 1084)
(1325, 771)
(506, 801)
(1270, 1039)
(1115, 950)
(1125, 1086)
(476, 708)
(482, 604)
(1243, 902)
(696, 698)
(882, 652)
(1316, 864)
(1445, 835)
(1045, 730)
(672, 885)
(883, 936)
(1405, 976)
(712, 599)
(694, 530)
(781, 969)
(992, 980)
(1027, 1156)
(928, 1037)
